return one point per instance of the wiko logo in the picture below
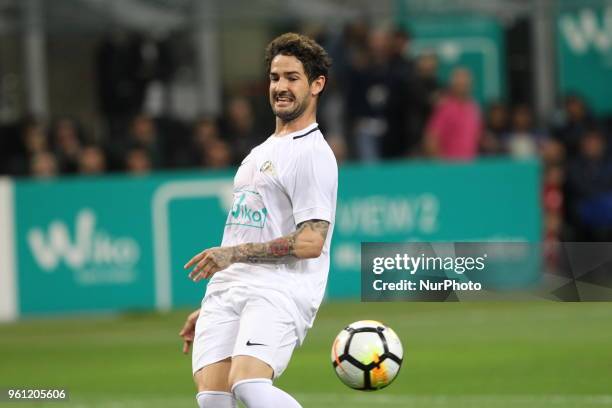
(242, 212)
(585, 30)
(89, 246)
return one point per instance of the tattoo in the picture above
(280, 250)
(280, 247)
(222, 257)
(318, 226)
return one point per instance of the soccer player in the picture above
(268, 276)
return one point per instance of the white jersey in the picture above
(284, 181)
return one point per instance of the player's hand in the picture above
(209, 262)
(188, 330)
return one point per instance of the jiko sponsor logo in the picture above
(87, 247)
(243, 213)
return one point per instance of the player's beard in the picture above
(290, 115)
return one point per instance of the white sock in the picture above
(260, 393)
(216, 399)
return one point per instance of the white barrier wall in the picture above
(8, 277)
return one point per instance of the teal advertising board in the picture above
(120, 243)
(82, 245)
(584, 51)
(490, 201)
(114, 243)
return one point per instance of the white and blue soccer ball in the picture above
(367, 355)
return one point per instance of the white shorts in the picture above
(238, 321)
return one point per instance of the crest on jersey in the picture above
(268, 168)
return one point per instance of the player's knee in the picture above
(250, 392)
(214, 378)
(212, 384)
(215, 399)
(248, 367)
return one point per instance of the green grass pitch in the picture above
(471, 355)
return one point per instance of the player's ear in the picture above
(317, 85)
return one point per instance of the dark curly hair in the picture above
(314, 58)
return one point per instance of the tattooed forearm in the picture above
(306, 240)
(277, 251)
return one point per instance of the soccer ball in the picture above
(367, 355)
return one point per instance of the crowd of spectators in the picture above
(381, 103)
(42, 150)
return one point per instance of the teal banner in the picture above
(83, 245)
(489, 201)
(115, 243)
(120, 243)
(584, 51)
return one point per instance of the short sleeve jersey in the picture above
(283, 182)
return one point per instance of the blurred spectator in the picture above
(32, 140)
(205, 135)
(205, 132)
(399, 48)
(426, 93)
(330, 118)
(574, 121)
(338, 147)
(217, 155)
(43, 164)
(427, 74)
(367, 97)
(66, 141)
(408, 103)
(553, 152)
(349, 51)
(589, 189)
(138, 161)
(92, 160)
(552, 199)
(454, 129)
(143, 134)
(553, 207)
(240, 129)
(496, 128)
(523, 141)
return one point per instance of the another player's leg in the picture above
(252, 384)
(213, 388)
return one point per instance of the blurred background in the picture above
(122, 122)
(91, 87)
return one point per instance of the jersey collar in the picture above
(299, 133)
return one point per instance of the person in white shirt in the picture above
(268, 277)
